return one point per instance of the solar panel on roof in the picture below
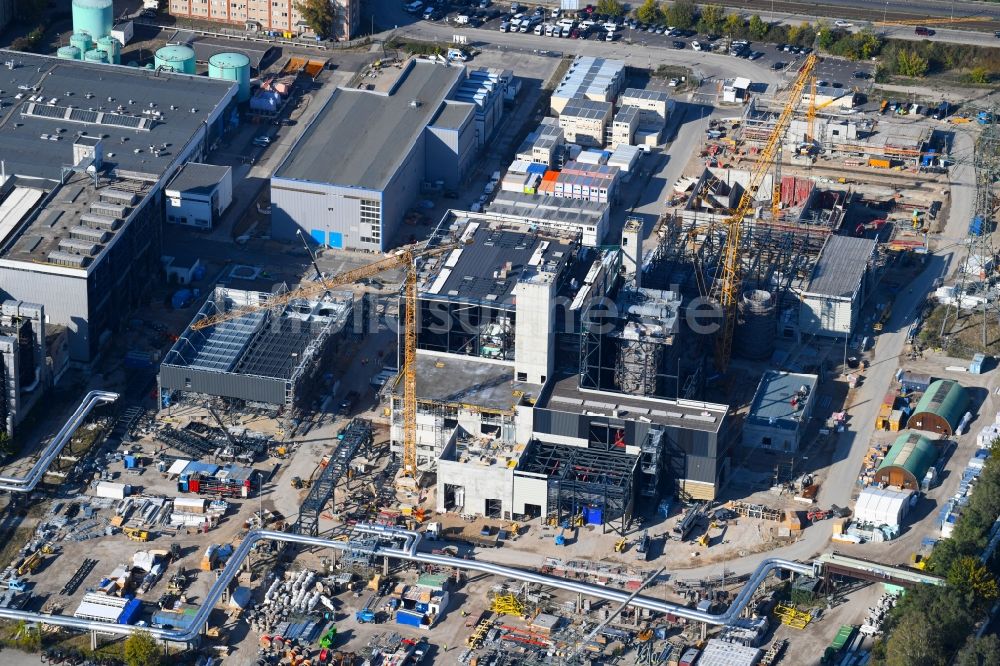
(81, 116)
(45, 111)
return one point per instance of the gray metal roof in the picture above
(581, 107)
(772, 404)
(564, 394)
(478, 272)
(198, 178)
(841, 266)
(82, 92)
(360, 137)
(453, 115)
(588, 75)
(645, 93)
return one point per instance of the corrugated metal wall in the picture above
(65, 300)
(242, 387)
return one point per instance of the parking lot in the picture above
(486, 16)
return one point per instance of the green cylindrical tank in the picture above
(232, 67)
(95, 56)
(93, 16)
(110, 46)
(82, 41)
(176, 57)
(69, 53)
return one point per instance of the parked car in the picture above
(678, 44)
(923, 31)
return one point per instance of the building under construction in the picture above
(266, 357)
(506, 331)
(852, 139)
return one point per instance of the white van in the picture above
(539, 29)
(462, 19)
(611, 36)
(457, 54)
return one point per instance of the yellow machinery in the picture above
(477, 637)
(30, 563)
(791, 617)
(727, 289)
(620, 546)
(507, 604)
(135, 534)
(405, 257)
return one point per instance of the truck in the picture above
(642, 548)
(942, 111)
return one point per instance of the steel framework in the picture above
(727, 288)
(358, 434)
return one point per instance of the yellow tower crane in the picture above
(726, 290)
(404, 257)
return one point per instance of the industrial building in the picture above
(840, 282)
(596, 79)
(544, 145)
(81, 211)
(507, 418)
(780, 411)
(281, 18)
(588, 219)
(585, 121)
(390, 145)
(941, 408)
(266, 357)
(907, 462)
(26, 370)
(199, 194)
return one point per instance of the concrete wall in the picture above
(64, 296)
(532, 335)
(530, 489)
(480, 484)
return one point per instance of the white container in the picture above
(110, 490)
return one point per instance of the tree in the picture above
(969, 575)
(141, 649)
(983, 651)
(979, 75)
(758, 28)
(869, 44)
(650, 12)
(681, 14)
(712, 19)
(612, 8)
(318, 15)
(733, 25)
(910, 63)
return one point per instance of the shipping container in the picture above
(189, 505)
(878, 164)
(112, 490)
(130, 614)
(409, 618)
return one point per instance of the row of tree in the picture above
(933, 625)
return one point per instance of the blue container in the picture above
(130, 613)
(182, 485)
(420, 606)
(409, 618)
(593, 515)
(536, 168)
(130, 462)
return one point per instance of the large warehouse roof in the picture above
(360, 137)
(48, 101)
(841, 266)
(945, 398)
(913, 452)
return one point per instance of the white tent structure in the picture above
(880, 506)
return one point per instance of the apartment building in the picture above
(269, 15)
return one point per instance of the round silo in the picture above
(176, 57)
(756, 327)
(69, 53)
(232, 67)
(95, 56)
(110, 46)
(81, 40)
(93, 16)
